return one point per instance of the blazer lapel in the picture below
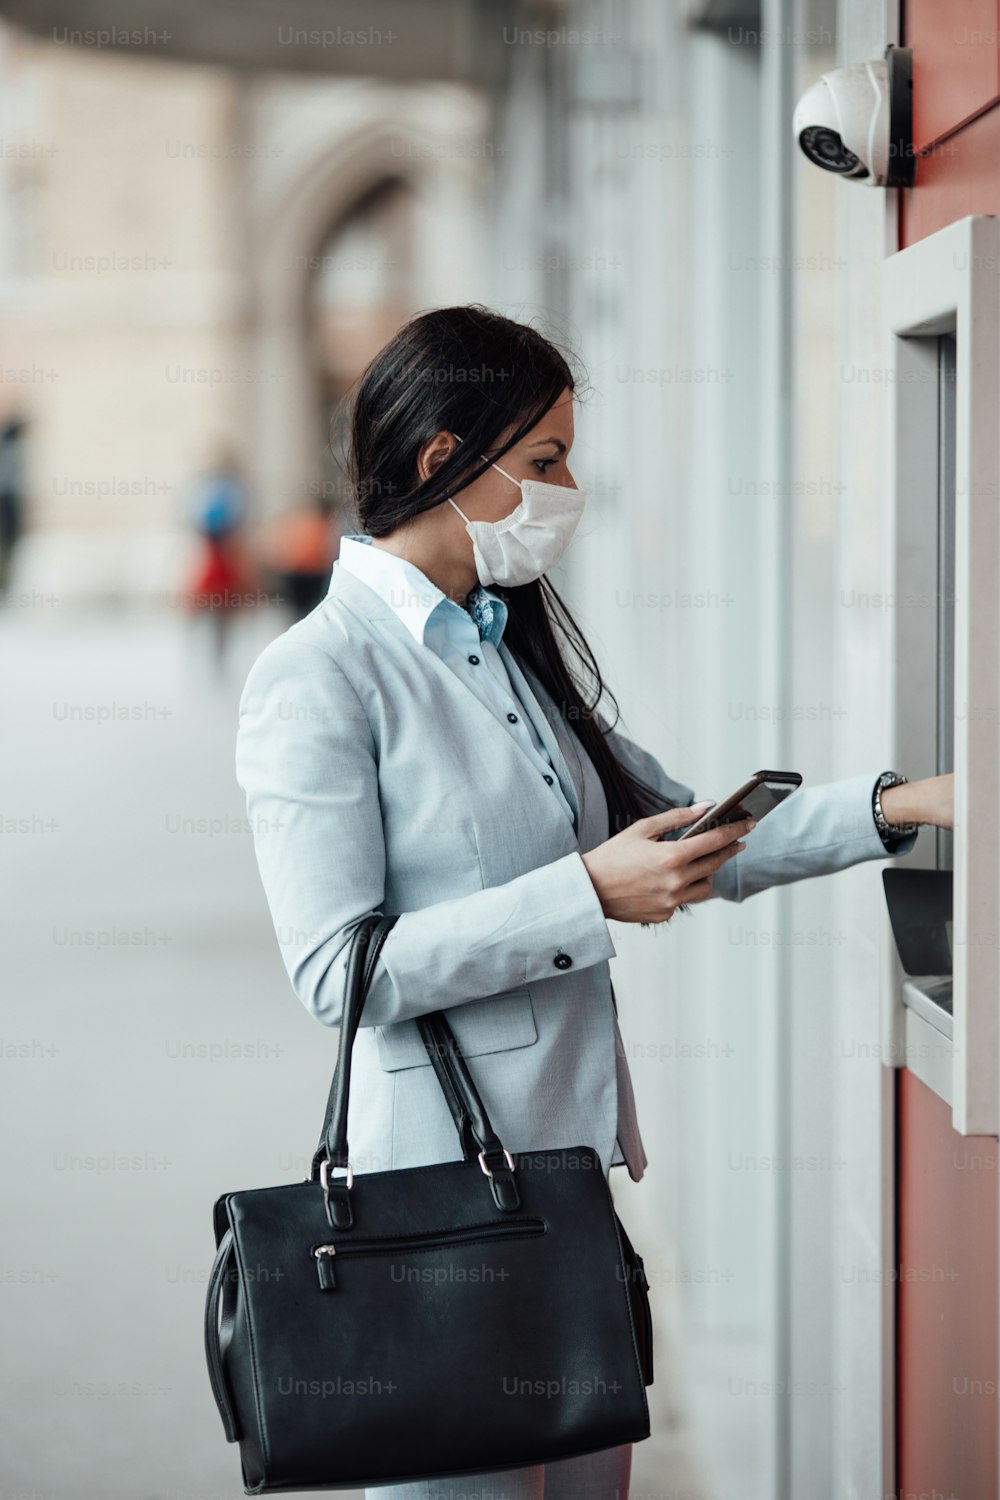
(350, 589)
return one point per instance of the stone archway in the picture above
(413, 136)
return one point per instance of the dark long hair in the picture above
(470, 371)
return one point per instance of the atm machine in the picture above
(941, 298)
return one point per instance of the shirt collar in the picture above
(412, 595)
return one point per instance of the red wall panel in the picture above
(959, 177)
(955, 62)
(947, 1302)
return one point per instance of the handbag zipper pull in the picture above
(324, 1264)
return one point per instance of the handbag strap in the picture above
(495, 1160)
(364, 946)
(460, 1113)
(475, 1131)
(222, 1288)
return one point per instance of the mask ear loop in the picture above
(492, 465)
(450, 500)
(505, 474)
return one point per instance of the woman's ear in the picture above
(434, 453)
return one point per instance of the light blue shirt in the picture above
(466, 640)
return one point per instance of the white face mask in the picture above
(532, 538)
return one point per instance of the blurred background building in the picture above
(210, 219)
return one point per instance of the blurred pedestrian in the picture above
(297, 548)
(222, 577)
(11, 495)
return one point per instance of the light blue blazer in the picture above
(376, 781)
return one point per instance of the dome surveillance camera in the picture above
(858, 121)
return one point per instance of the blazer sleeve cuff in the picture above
(572, 915)
(816, 831)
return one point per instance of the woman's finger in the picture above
(709, 863)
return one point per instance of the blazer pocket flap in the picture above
(495, 1024)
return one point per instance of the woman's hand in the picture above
(929, 801)
(639, 879)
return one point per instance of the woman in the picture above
(427, 743)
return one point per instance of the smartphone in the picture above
(754, 799)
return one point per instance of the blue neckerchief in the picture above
(480, 607)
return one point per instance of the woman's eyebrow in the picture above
(542, 441)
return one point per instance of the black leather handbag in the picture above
(426, 1322)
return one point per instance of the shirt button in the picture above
(562, 961)
(512, 718)
(474, 660)
(547, 778)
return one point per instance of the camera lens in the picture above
(824, 147)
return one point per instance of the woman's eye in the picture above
(541, 464)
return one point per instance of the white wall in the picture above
(734, 477)
(661, 192)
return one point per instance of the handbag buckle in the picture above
(325, 1180)
(336, 1196)
(507, 1156)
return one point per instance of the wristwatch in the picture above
(890, 833)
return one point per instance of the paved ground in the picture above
(152, 1055)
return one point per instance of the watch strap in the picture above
(890, 833)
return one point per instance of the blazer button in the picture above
(474, 660)
(512, 718)
(547, 777)
(562, 961)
